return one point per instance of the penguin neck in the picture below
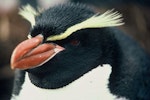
(93, 83)
(112, 55)
(56, 80)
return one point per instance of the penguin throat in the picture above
(55, 80)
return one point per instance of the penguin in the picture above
(74, 53)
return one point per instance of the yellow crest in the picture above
(108, 19)
(29, 13)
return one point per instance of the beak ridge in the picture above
(31, 53)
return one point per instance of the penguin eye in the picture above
(75, 42)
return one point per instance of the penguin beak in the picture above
(32, 53)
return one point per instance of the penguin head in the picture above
(66, 43)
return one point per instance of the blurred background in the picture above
(14, 29)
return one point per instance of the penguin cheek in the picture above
(31, 53)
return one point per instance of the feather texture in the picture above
(108, 19)
(29, 13)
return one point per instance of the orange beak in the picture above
(31, 53)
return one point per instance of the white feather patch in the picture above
(29, 13)
(91, 86)
(108, 19)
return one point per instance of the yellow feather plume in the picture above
(108, 19)
(29, 13)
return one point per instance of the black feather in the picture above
(130, 63)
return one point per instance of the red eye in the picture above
(75, 42)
